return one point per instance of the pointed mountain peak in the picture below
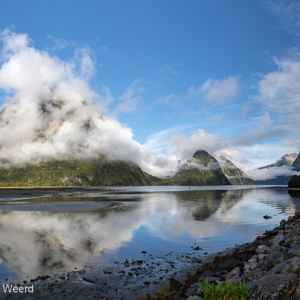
(296, 164)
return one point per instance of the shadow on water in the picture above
(294, 193)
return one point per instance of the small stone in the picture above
(261, 257)
(262, 249)
(275, 248)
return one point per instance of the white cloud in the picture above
(129, 100)
(279, 90)
(279, 96)
(288, 12)
(220, 90)
(52, 113)
(199, 140)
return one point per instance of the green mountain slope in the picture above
(201, 169)
(99, 172)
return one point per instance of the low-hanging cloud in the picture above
(271, 173)
(200, 140)
(50, 112)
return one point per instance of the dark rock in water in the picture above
(267, 217)
(276, 286)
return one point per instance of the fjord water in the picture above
(52, 234)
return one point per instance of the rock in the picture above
(255, 274)
(193, 289)
(291, 241)
(251, 264)
(261, 257)
(275, 248)
(235, 272)
(267, 264)
(175, 285)
(276, 286)
(267, 217)
(279, 238)
(262, 249)
(276, 258)
(295, 251)
(293, 266)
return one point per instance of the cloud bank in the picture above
(50, 112)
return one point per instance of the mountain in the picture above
(235, 175)
(201, 169)
(100, 172)
(295, 180)
(296, 163)
(283, 166)
(285, 160)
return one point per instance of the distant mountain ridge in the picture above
(287, 161)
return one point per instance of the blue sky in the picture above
(219, 75)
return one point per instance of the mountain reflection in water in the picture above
(37, 239)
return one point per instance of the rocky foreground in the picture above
(270, 267)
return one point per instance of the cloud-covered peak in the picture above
(50, 111)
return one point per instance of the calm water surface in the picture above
(48, 235)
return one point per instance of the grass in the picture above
(223, 290)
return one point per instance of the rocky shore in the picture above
(270, 267)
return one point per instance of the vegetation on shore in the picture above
(294, 182)
(75, 173)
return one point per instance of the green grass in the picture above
(224, 290)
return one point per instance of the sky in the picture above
(150, 81)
